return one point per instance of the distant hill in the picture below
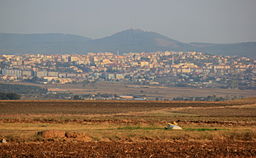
(137, 41)
(132, 40)
(235, 49)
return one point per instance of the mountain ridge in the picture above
(131, 40)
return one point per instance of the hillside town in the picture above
(178, 69)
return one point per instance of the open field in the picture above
(127, 128)
(150, 92)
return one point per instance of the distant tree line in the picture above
(208, 98)
(9, 96)
(22, 89)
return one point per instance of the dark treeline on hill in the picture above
(208, 98)
(21, 89)
(9, 96)
(123, 42)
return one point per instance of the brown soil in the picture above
(52, 134)
(96, 107)
(119, 149)
(78, 136)
(71, 143)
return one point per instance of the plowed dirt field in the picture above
(141, 149)
(127, 129)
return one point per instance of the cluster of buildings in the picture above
(184, 69)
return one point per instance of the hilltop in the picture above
(132, 40)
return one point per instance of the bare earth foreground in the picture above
(127, 129)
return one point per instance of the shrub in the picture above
(9, 96)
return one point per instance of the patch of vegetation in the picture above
(203, 129)
(22, 89)
(208, 98)
(9, 96)
(137, 128)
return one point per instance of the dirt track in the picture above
(139, 149)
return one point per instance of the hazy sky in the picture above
(219, 21)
